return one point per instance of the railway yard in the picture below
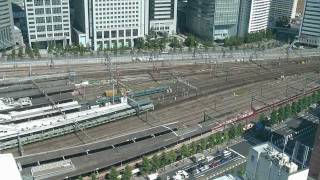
(127, 98)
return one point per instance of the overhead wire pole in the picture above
(59, 109)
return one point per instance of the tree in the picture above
(155, 161)
(163, 159)
(219, 138)
(232, 132)
(172, 157)
(190, 41)
(287, 111)
(93, 176)
(113, 174)
(29, 52)
(273, 118)
(20, 52)
(281, 114)
(226, 136)
(175, 43)
(146, 165)
(139, 43)
(262, 119)
(184, 151)
(127, 173)
(80, 178)
(13, 54)
(193, 148)
(239, 130)
(283, 21)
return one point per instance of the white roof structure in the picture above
(9, 168)
(32, 113)
(12, 130)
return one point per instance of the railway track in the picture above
(192, 106)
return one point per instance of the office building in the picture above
(19, 17)
(109, 24)
(181, 15)
(48, 22)
(254, 16)
(6, 24)
(163, 16)
(310, 28)
(282, 8)
(213, 19)
(265, 162)
(314, 165)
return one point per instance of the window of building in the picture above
(41, 28)
(38, 2)
(99, 35)
(48, 19)
(48, 10)
(113, 34)
(39, 11)
(56, 10)
(135, 32)
(57, 27)
(56, 2)
(128, 32)
(57, 19)
(40, 20)
(121, 33)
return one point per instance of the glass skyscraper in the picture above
(310, 28)
(6, 24)
(213, 19)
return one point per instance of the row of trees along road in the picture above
(290, 110)
(166, 158)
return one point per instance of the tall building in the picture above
(109, 24)
(310, 28)
(314, 165)
(213, 19)
(181, 15)
(265, 162)
(6, 24)
(282, 8)
(254, 16)
(19, 17)
(163, 16)
(48, 22)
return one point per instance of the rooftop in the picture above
(9, 168)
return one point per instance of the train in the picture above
(12, 133)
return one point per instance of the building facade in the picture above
(213, 19)
(300, 7)
(310, 28)
(111, 23)
(6, 24)
(19, 17)
(259, 15)
(282, 8)
(315, 157)
(163, 16)
(48, 22)
(265, 162)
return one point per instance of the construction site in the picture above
(63, 113)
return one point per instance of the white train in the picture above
(44, 128)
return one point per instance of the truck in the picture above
(198, 157)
